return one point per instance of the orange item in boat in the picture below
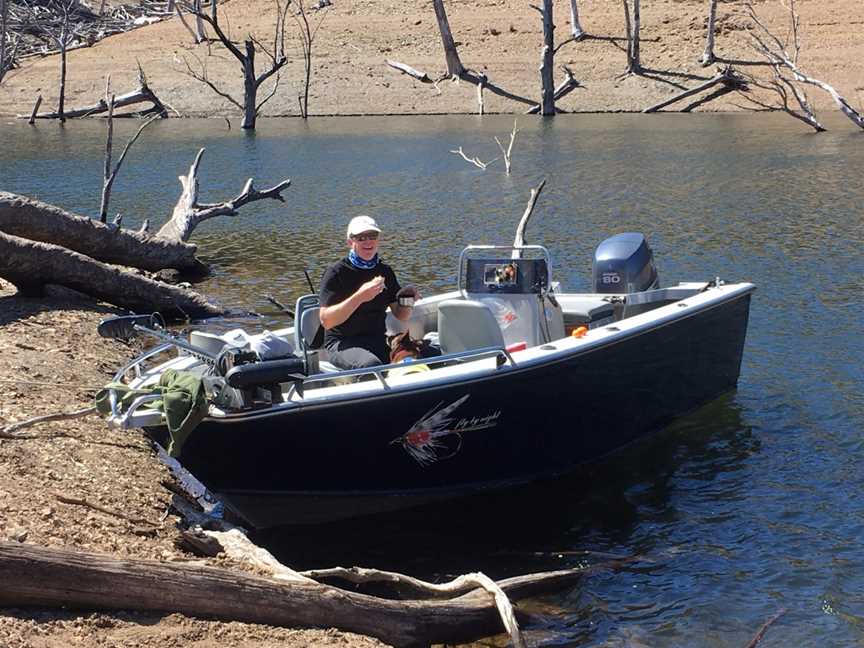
(579, 332)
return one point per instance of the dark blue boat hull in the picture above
(376, 454)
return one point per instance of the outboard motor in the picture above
(624, 264)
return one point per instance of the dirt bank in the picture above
(499, 37)
(51, 360)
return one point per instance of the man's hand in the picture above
(371, 289)
(409, 291)
(336, 314)
(401, 312)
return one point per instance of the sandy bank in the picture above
(51, 360)
(499, 37)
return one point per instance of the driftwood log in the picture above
(727, 78)
(41, 576)
(32, 219)
(143, 94)
(30, 265)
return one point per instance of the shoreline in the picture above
(53, 362)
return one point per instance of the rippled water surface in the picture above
(751, 505)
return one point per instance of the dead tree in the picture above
(708, 57)
(63, 40)
(56, 26)
(458, 72)
(252, 80)
(632, 23)
(455, 69)
(785, 92)
(110, 174)
(776, 53)
(307, 37)
(200, 36)
(547, 80)
(188, 213)
(10, 42)
(576, 31)
(43, 245)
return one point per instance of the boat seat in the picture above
(580, 310)
(210, 342)
(308, 332)
(465, 324)
(269, 345)
(309, 329)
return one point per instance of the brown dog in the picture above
(402, 346)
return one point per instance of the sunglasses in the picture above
(370, 236)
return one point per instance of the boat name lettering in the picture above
(477, 422)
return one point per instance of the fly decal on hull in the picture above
(438, 435)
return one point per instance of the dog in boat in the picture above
(403, 347)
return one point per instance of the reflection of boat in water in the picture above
(532, 382)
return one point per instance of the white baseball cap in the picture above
(360, 224)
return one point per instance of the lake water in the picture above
(751, 505)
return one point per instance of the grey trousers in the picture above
(358, 352)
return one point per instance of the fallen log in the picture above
(143, 94)
(410, 71)
(727, 77)
(42, 576)
(30, 265)
(39, 221)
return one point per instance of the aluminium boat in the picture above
(532, 381)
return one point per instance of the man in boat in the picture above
(355, 294)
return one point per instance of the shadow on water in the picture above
(547, 526)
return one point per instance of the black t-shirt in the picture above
(342, 280)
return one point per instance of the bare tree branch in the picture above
(202, 77)
(188, 212)
(112, 176)
(269, 96)
(507, 153)
(776, 52)
(576, 31)
(474, 160)
(519, 239)
(410, 71)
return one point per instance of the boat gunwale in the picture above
(532, 364)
